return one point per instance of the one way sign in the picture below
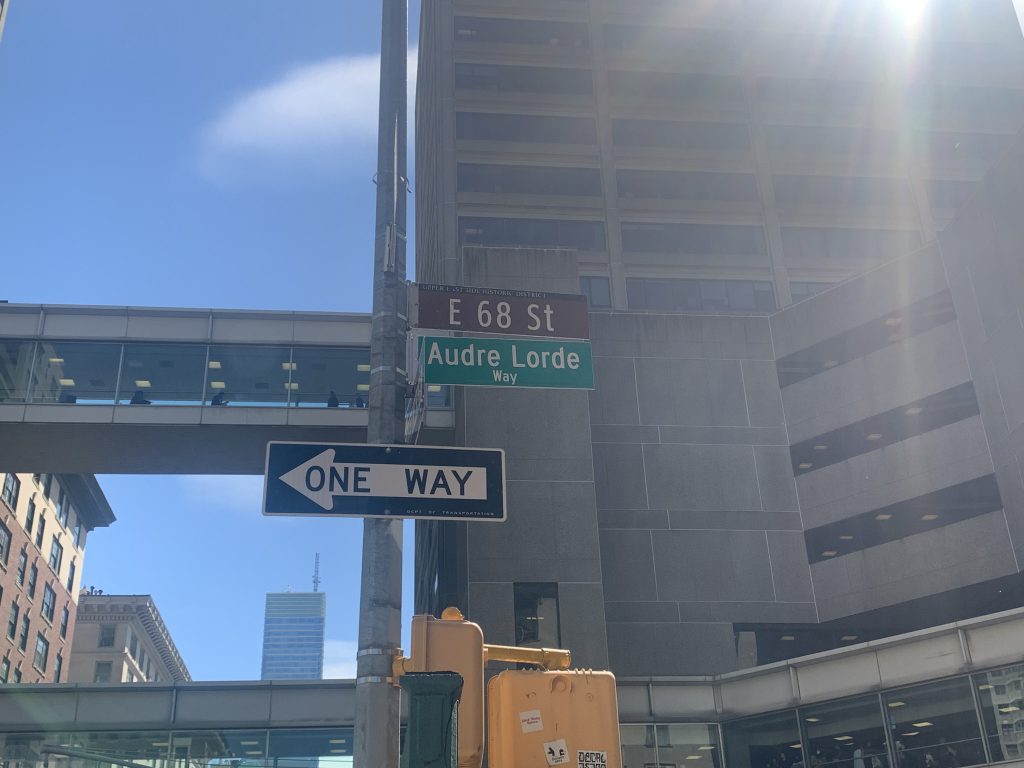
(350, 480)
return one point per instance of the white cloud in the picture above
(315, 118)
(235, 493)
(340, 659)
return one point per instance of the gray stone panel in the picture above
(581, 621)
(634, 518)
(747, 612)
(619, 476)
(712, 566)
(691, 392)
(905, 470)
(627, 565)
(643, 650)
(888, 378)
(790, 571)
(613, 400)
(928, 563)
(775, 478)
(491, 605)
(624, 434)
(706, 477)
(642, 612)
(723, 435)
(736, 521)
(764, 399)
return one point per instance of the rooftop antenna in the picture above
(316, 573)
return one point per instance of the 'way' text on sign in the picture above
(384, 481)
(482, 362)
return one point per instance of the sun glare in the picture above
(910, 12)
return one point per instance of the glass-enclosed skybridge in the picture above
(87, 389)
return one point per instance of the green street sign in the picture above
(477, 362)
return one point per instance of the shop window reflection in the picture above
(639, 746)
(691, 744)
(935, 726)
(15, 370)
(1001, 694)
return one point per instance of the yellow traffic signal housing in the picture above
(450, 644)
(537, 719)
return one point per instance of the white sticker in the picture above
(531, 721)
(591, 759)
(556, 752)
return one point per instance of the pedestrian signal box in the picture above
(537, 719)
(451, 644)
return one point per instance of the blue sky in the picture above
(217, 154)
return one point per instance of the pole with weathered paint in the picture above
(380, 599)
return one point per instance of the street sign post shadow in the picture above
(388, 481)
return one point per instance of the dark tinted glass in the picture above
(550, 34)
(1001, 693)
(935, 725)
(771, 741)
(532, 233)
(597, 290)
(15, 370)
(76, 372)
(502, 78)
(693, 238)
(536, 609)
(706, 137)
(529, 180)
(538, 129)
(845, 734)
(162, 374)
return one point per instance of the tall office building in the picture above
(761, 472)
(44, 523)
(293, 636)
(715, 155)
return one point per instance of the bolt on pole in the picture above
(380, 597)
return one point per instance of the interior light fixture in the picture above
(433, 388)
(292, 385)
(913, 410)
(56, 360)
(159, 743)
(796, 746)
(249, 743)
(911, 733)
(338, 751)
(843, 738)
(806, 465)
(695, 757)
(929, 516)
(847, 638)
(363, 367)
(829, 553)
(217, 385)
(874, 436)
(143, 383)
(363, 387)
(821, 447)
(787, 637)
(66, 382)
(215, 365)
(923, 724)
(255, 752)
(985, 687)
(845, 537)
(706, 747)
(1009, 708)
(895, 704)
(884, 516)
(289, 366)
(813, 719)
(335, 741)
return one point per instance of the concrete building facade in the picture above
(44, 523)
(745, 484)
(123, 639)
(293, 636)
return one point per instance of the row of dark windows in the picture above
(810, 244)
(905, 518)
(692, 295)
(529, 180)
(598, 292)
(870, 337)
(710, 239)
(692, 185)
(539, 129)
(892, 426)
(848, 191)
(554, 34)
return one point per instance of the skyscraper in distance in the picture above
(293, 636)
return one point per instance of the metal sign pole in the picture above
(380, 597)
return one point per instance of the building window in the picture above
(1001, 708)
(22, 567)
(554, 81)
(58, 667)
(696, 239)
(65, 616)
(76, 533)
(763, 741)
(56, 554)
(685, 295)
(841, 731)
(41, 530)
(102, 672)
(23, 637)
(534, 129)
(12, 486)
(107, 635)
(800, 290)
(30, 516)
(133, 647)
(532, 233)
(42, 653)
(49, 602)
(33, 577)
(12, 622)
(71, 577)
(597, 290)
(61, 512)
(952, 736)
(529, 180)
(17, 674)
(47, 484)
(536, 609)
(5, 543)
(5, 670)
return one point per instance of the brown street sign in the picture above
(499, 310)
